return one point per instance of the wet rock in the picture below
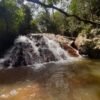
(74, 45)
(71, 51)
(39, 48)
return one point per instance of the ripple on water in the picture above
(71, 81)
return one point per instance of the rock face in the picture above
(93, 48)
(39, 48)
(72, 52)
(89, 43)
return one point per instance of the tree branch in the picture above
(65, 13)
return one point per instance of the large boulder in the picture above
(71, 51)
(93, 48)
(89, 43)
(80, 43)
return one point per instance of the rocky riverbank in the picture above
(89, 43)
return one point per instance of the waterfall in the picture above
(34, 49)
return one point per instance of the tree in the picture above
(11, 14)
(45, 22)
(65, 13)
(11, 18)
(86, 8)
(25, 26)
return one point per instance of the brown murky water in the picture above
(79, 80)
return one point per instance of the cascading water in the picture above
(34, 49)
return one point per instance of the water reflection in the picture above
(72, 81)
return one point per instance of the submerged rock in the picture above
(39, 48)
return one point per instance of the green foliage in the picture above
(81, 8)
(95, 7)
(17, 19)
(73, 6)
(34, 27)
(12, 15)
(26, 23)
(44, 21)
(74, 26)
(2, 25)
(53, 1)
(51, 23)
(12, 18)
(87, 9)
(60, 22)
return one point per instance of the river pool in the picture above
(77, 80)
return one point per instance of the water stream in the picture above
(34, 49)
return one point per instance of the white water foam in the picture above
(32, 54)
